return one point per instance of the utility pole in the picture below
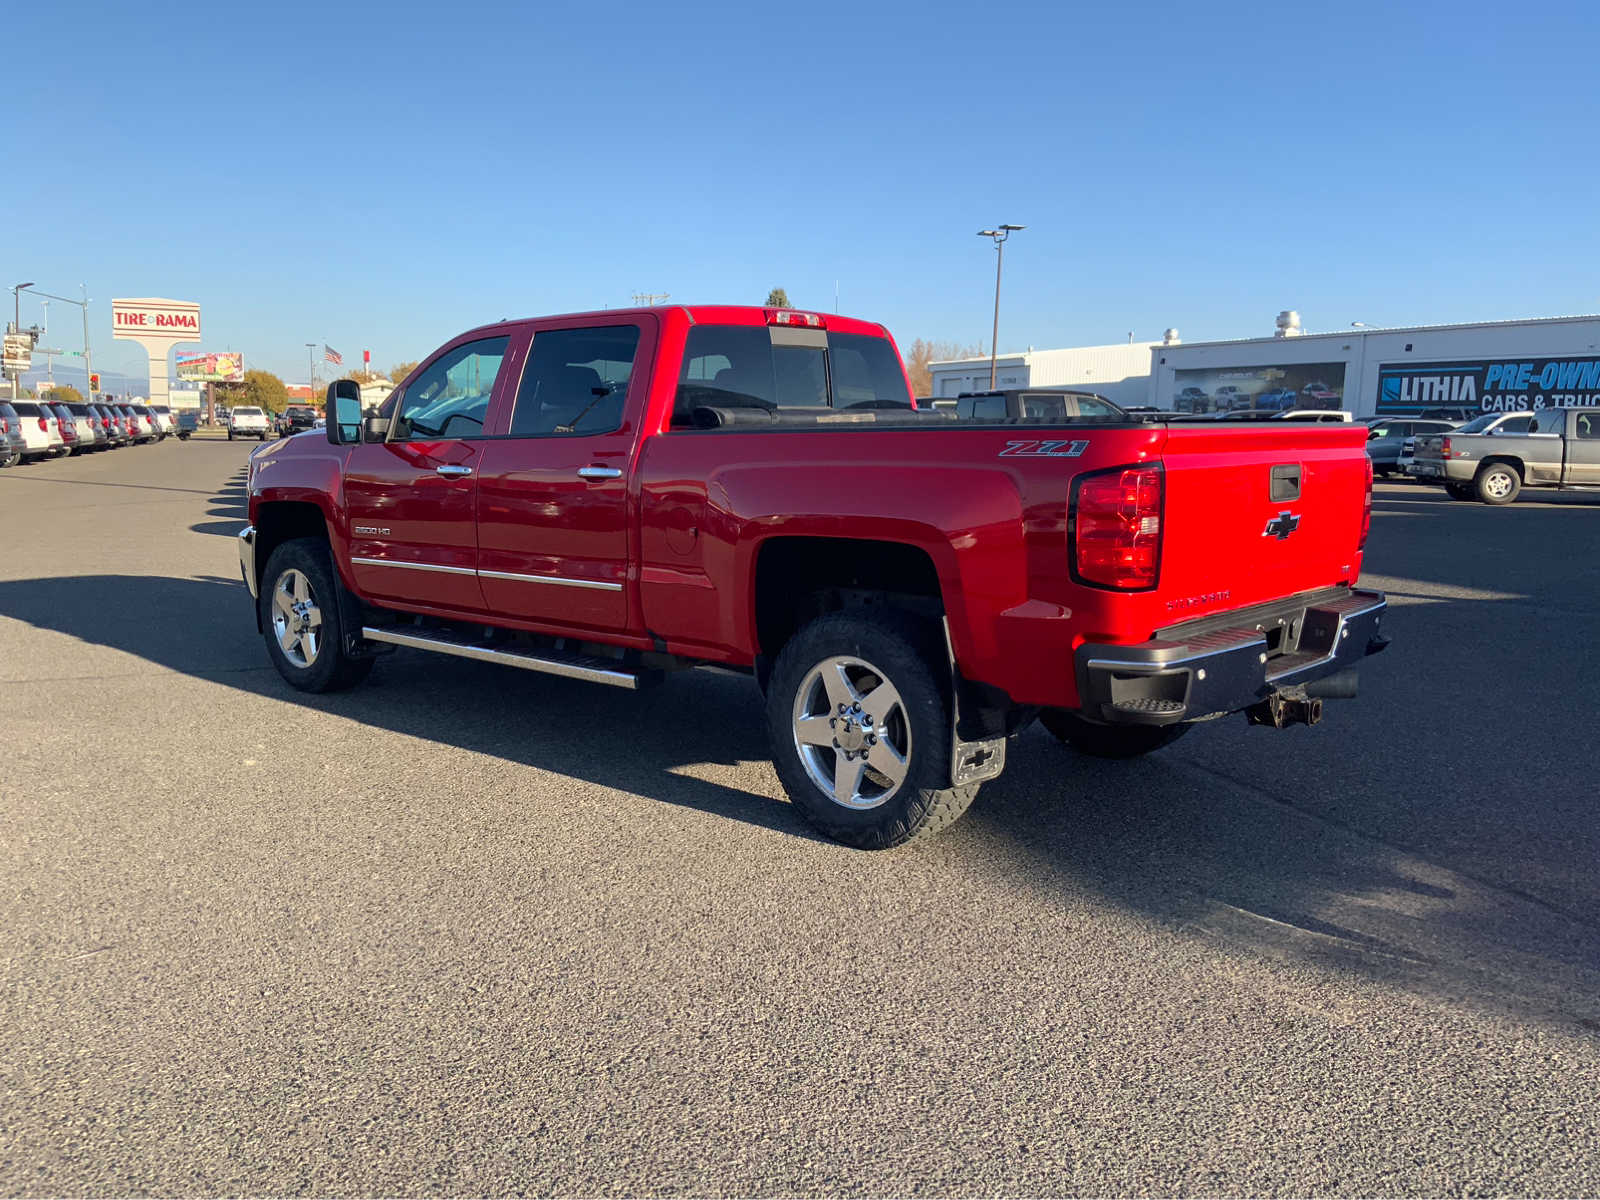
(16, 327)
(999, 234)
(88, 358)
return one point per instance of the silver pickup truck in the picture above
(1561, 449)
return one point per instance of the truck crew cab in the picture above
(614, 496)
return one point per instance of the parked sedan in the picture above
(1389, 438)
(41, 429)
(247, 421)
(12, 443)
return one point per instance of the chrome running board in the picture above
(590, 669)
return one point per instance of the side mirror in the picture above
(344, 412)
(374, 428)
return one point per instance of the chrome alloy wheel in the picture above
(296, 619)
(852, 732)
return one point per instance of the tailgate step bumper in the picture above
(1227, 664)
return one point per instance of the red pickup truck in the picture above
(614, 496)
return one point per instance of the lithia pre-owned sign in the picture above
(157, 325)
(1497, 386)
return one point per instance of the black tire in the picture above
(1460, 491)
(230, 435)
(11, 458)
(894, 647)
(1108, 741)
(330, 669)
(1497, 483)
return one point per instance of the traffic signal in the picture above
(94, 382)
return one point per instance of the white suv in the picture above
(247, 422)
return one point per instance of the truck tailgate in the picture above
(1258, 513)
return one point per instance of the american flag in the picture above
(329, 354)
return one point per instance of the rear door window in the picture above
(1551, 420)
(576, 381)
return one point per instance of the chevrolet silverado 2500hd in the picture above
(612, 496)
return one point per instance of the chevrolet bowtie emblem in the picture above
(1281, 526)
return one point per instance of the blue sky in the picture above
(382, 176)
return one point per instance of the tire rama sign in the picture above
(157, 325)
(1489, 386)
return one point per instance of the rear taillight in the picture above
(1115, 528)
(1366, 508)
(44, 424)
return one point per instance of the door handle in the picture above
(599, 472)
(452, 472)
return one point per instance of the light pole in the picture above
(16, 327)
(83, 305)
(999, 235)
(311, 366)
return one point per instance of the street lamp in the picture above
(16, 327)
(83, 307)
(999, 235)
(311, 365)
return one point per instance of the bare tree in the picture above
(921, 353)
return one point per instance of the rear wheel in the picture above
(860, 729)
(1498, 483)
(1108, 741)
(300, 620)
(1459, 491)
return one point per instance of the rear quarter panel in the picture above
(993, 525)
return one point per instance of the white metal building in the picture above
(1487, 366)
(1120, 373)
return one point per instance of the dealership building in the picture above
(1489, 366)
(1120, 373)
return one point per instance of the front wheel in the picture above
(300, 620)
(1498, 483)
(860, 729)
(1108, 741)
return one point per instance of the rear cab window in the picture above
(735, 374)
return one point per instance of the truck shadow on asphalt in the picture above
(230, 504)
(1439, 832)
(1310, 844)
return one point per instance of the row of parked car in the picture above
(35, 429)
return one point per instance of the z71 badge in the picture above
(1037, 449)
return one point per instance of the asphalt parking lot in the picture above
(470, 930)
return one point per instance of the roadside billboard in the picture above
(18, 353)
(1484, 386)
(1291, 385)
(203, 367)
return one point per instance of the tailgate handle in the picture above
(1286, 482)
